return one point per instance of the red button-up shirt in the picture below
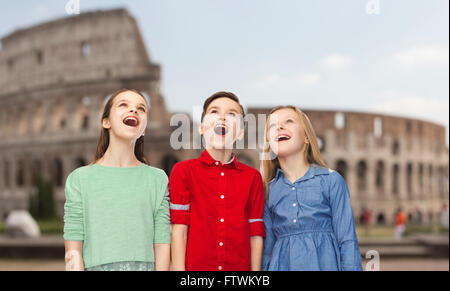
(223, 206)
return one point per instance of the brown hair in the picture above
(311, 153)
(218, 95)
(103, 141)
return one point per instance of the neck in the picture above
(221, 155)
(120, 153)
(294, 166)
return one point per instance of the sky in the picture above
(379, 56)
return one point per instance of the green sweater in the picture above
(118, 213)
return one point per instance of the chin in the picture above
(127, 136)
(283, 151)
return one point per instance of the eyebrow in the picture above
(123, 100)
(217, 107)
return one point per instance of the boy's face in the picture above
(222, 124)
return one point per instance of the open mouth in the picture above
(131, 121)
(282, 137)
(221, 129)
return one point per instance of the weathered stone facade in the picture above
(387, 161)
(54, 78)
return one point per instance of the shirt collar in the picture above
(206, 158)
(314, 170)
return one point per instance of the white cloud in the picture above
(277, 81)
(336, 61)
(422, 55)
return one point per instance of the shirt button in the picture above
(221, 244)
(222, 220)
(293, 188)
(295, 204)
(222, 174)
(222, 196)
(217, 163)
(220, 268)
(294, 221)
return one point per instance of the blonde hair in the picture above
(311, 152)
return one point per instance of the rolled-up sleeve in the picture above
(179, 196)
(255, 207)
(269, 241)
(73, 209)
(162, 215)
(343, 224)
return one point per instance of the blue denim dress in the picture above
(309, 224)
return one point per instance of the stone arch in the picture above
(36, 170)
(379, 176)
(362, 176)
(20, 174)
(3, 123)
(58, 116)
(409, 179)
(39, 119)
(22, 123)
(430, 179)
(80, 162)
(395, 148)
(7, 174)
(342, 168)
(82, 114)
(57, 172)
(395, 179)
(421, 174)
(442, 181)
(10, 120)
(381, 219)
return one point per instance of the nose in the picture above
(133, 110)
(280, 126)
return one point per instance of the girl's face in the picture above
(128, 116)
(222, 124)
(286, 134)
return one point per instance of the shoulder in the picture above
(328, 176)
(250, 172)
(156, 173)
(78, 172)
(180, 168)
(335, 178)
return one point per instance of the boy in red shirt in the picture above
(217, 203)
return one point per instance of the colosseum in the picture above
(54, 78)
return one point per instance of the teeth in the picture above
(283, 137)
(131, 121)
(220, 129)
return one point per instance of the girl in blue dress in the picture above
(308, 217)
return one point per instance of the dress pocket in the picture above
(310, 195)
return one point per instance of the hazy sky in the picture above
(317, 54)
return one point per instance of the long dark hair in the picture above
(103, 141)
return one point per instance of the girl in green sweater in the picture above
(117, 208)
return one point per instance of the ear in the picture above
(200, 129)
(106, 123)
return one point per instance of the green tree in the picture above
(42, 203)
